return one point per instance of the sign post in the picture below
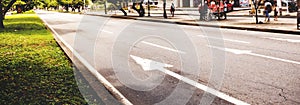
(298, 15)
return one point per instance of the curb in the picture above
(73, 56)
(232, 15)
(206, 25)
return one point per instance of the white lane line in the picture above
(231, 40)
(149, 65)
(107, 31)
(101, 79)
(275, 58)
(248, 52)
(283, 39)
(234, 51)
(163, 47)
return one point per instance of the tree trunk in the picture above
(78, 9)
(3, 12)
(165, 13)
(1, 16)
(256, 6)
(124, 12)
(148, 8)
(142, 10)
(137, 10)
(67, 8)
(1, 22)
(8, 6)
(256, 17)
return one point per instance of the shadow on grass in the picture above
(27, 81)
(21, 18)
(24, 26)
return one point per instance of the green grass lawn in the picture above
(33, 68)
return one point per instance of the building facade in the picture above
(186, 3)
(181, 3)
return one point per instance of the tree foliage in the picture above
(25, 5)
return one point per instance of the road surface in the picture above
(139, 57)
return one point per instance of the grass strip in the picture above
(33, 69)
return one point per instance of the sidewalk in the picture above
(235, 20)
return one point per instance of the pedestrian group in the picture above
(268, 9)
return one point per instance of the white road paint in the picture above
(234, 51)
(148, 65)
(248, 52)
(107, 84)
(163, 47)
(225, 39)
(275, 58)
(107, 31)
(283, 39)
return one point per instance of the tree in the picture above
(140, 10)
(4, 8)
(66, 4)
(256, 4)
(164, 7)
(119, 4)
(137, 6)
(53, 4)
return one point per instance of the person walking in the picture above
(225, 10)
(203, 10)
(172, 10)
(275, 13)
(267, 11)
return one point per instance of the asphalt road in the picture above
(160, 63)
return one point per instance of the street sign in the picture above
(298, 15)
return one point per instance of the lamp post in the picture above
(287, 6)
(83, 6)
(164, 7)
(105, 3)
(148, 8)
(298, 15)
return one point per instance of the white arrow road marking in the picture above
(231, 40)
(163, 47)
(248, 52)
(282, 39)
(148, 65)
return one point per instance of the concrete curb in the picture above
(75, 57)
(231, 15)
(206, 25)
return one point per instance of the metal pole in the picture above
(298, 15)
(105, 10)
(287, 7)
(219, 12)
(83, 6)
(148, 8)
(164, 7)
